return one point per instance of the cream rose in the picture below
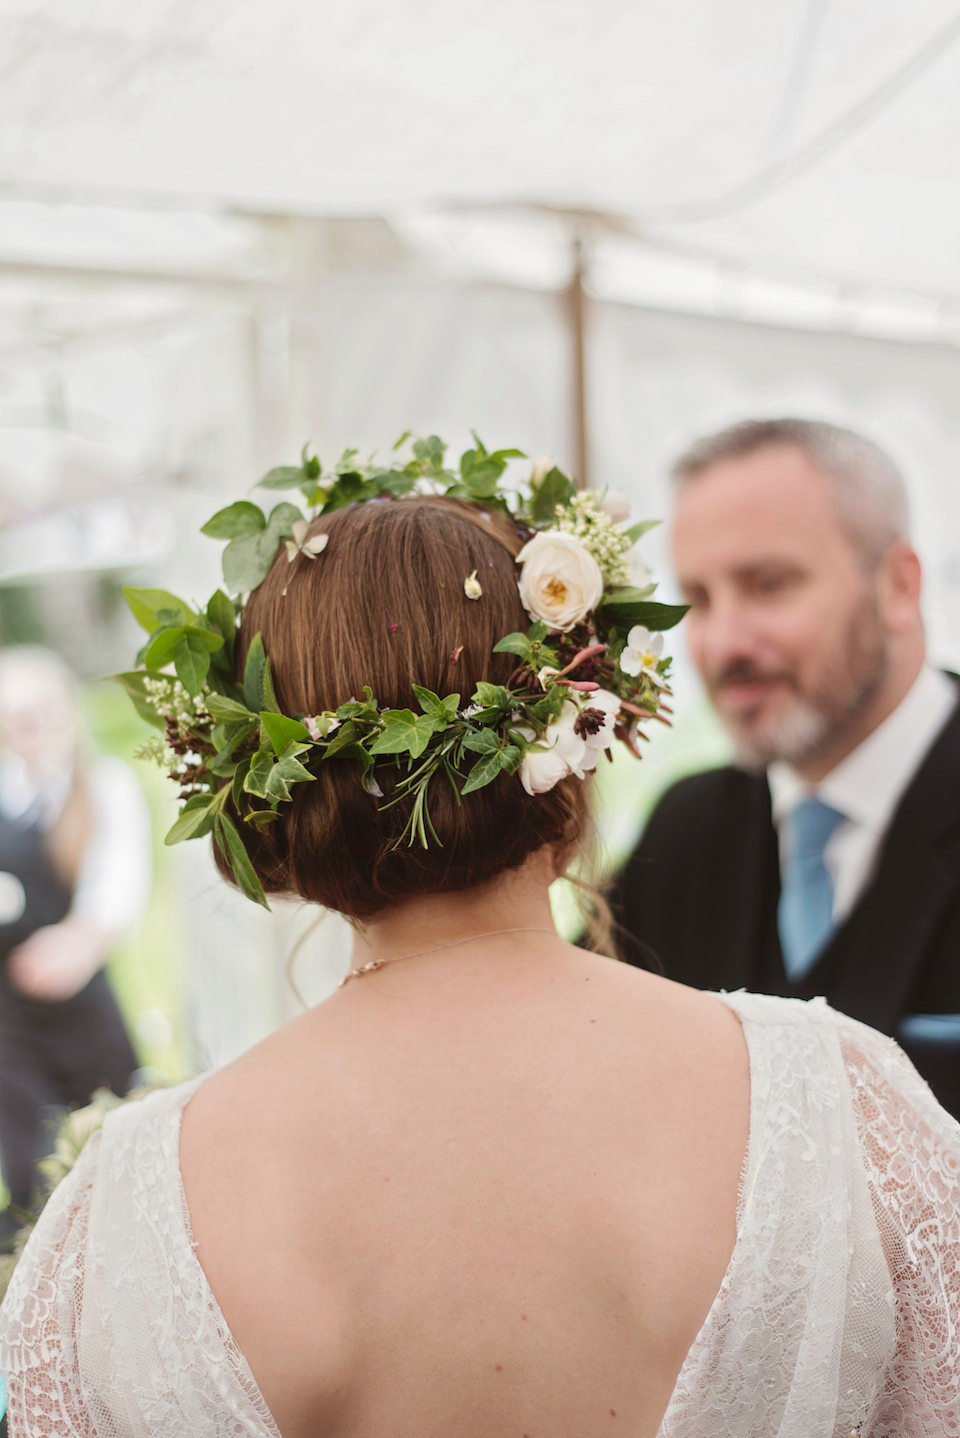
(560, 581)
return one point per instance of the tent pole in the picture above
(577, 306)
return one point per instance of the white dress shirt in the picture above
(867, 785)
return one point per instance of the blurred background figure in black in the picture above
(74, 876)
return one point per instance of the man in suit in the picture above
(827, 859)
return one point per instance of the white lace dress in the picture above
(839, 1313)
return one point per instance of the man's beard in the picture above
(814, 725)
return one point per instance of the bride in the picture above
(496, 1186)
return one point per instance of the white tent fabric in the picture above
(806, 138)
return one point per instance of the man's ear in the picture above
(900, 586)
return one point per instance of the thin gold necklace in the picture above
(369, 968)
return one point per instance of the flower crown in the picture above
(589, 670)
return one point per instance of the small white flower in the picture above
(300, 544)
(641, 654)
(540, 471)
(615, 504)
(560, 581)
(472, 587)
(321, 726)
(638, 574)
(545, 674)
(471, 710)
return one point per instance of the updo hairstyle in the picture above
(384, 606)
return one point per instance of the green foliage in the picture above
(626, 607)
(404, 733)
(147, 605)
(134, 682)
(637, 531)
(230, 844)
(554, 489)
(281, 731)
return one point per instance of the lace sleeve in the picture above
(911, 1152)
(40, 1315)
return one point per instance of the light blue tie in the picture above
(805, 914)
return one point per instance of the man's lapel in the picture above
(752, 866)
(877, 954)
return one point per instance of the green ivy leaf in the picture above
(430, 451)
(196, 819)
(281, 731)
(247, 560)
(255, 779)
(484, 771)
(285, 476)
(309, 463)
(284, 772)
(517, 644)
(231, 847)
(222, 614)
(404, 733)
(253, 671)
(482, 741)
(236, 520)
(227, 738)
(547, 708)
(229, 710)
(236, 787)
(444, 710)
(393, 481)
(268, 698)
(510, 758)
(146, 606)
(492, 696)
(161, 648)
(191, 660)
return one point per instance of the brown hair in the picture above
(384, 606)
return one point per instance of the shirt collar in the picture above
(867, 784)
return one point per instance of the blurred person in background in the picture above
(74, 877)
(826, 860)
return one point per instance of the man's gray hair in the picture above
(869, 488)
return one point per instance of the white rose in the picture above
(560, 581)
(554, 755)
(542, 767)
(616, 504)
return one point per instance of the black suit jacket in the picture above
(701, 891)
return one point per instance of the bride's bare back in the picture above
(494, 1194)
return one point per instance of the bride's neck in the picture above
(515, 900)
